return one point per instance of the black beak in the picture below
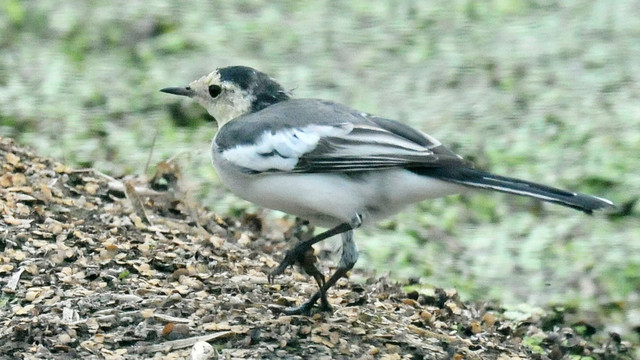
(183, 91)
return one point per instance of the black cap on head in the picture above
(266, 90)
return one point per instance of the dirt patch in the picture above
(93, 267)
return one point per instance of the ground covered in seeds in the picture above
(99, 268)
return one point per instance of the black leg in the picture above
(308, 265)
(347, 261)
(297, 253)
(306, 307)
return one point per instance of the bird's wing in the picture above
(367, 144)
(311, 136)
(370, 146)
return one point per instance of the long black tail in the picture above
(484, 180)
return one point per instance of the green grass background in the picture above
(539, 89)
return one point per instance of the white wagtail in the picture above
(335, 166)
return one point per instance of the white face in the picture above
(230, 103)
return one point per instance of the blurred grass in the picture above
(543, 90)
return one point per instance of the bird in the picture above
(335, 166)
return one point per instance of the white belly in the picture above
(333, 198)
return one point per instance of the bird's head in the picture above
(233, 91)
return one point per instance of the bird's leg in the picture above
(308, 265)
(297, 253)
(305, 231)
(347, 260)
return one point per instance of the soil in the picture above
(99, 268)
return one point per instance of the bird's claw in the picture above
(289, 260)
(304, 309)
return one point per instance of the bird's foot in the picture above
(308, 264)
(290, 258)
(306, 307)
(305, 257)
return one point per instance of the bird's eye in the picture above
(214, 90)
